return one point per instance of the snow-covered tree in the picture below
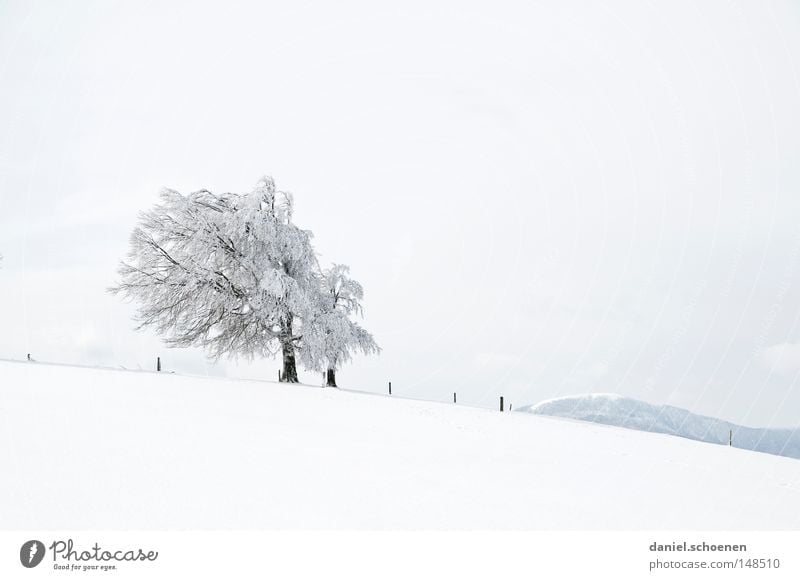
(331, 337)
(230, 273)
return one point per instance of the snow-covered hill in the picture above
(99, 449)
(625, 412)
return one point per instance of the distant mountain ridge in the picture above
(609, 409)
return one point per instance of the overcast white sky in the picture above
(540, 199)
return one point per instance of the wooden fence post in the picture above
(390, 387)
(158, 364)
(454, 397)
(501, 404)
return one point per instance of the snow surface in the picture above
(610, 409)
(100, 449)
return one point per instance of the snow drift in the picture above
(620, 411)
(100, 449)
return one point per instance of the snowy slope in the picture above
(98, 449)
(624, 412)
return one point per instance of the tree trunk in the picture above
(289, 374)
(330, 378)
